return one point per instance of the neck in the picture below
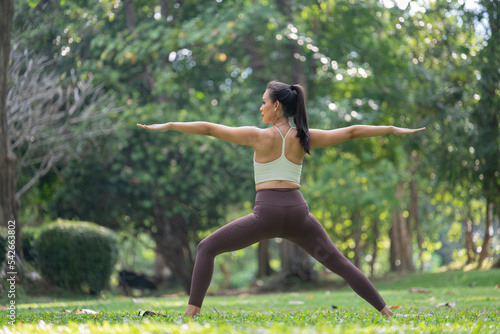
(279, 122)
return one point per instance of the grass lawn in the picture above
(474, 297)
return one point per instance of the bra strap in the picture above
(284, 139)
(279, 131)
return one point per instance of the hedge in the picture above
(76, 255)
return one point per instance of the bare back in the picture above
(269, 148)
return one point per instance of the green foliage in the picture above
(363, 63)
(30, 234)
(76, 255)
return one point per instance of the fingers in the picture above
(410, 131)
(406, 131)
(152, 127)
(413, 130)
(144, 126)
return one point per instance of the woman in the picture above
(280, 209)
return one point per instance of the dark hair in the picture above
(293, 101)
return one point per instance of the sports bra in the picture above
(280, 169)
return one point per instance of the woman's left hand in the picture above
(155, 127)
(404, 131)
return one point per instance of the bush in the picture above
(76, 255)
(496, 264)
(29, 236)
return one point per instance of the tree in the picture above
(45, 119)
(52, 121)
(486, 118)
(8, 202)
(461, 102)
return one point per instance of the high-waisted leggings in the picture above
(279, 213)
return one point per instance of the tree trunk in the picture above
(401, 247)
(356, 235)
(165, 8)
(413, 217)
(225, 268)
(487, 236)
(9, 204)
(173, 245)
(468, 230)
(296, 266)
(297, 70)
(130, 16)
(162, 271)
(393, 250)
(375, 233)
(254, 51)
(264, 269)
(131, 21)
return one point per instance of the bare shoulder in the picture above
(243, 135)
(265, 137)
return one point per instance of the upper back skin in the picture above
(269, 146)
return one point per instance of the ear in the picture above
(276, 105)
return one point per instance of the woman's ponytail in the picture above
(293, 101)
(300, 118)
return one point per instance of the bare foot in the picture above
(386, 312)
(192, 311)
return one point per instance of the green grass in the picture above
(476, 298)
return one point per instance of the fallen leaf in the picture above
(393, 307)
(419, 290)
(449, 304)
(143, 313)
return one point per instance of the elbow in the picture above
(353, 132)
(208, 130)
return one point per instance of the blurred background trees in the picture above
(389, 203)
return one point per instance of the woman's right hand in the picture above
(155, 127)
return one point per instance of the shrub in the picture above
(29, 236)
(76, 255)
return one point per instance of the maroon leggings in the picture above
(279, 213)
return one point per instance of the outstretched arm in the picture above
(325, 138)
(245, 135)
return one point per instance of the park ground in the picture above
(446, 302)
